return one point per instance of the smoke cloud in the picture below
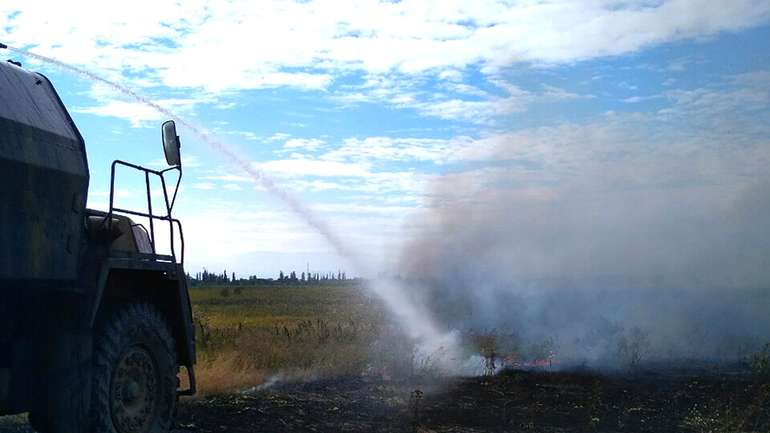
(605, 243)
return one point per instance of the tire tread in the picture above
(107, 349)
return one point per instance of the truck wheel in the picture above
(134, 382)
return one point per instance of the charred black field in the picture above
(512, 401)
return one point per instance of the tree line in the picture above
(226, 278)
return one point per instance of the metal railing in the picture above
(149, 214)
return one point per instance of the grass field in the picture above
(246, 334)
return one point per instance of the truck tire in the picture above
(135, 373)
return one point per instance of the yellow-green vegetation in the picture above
(246, 333)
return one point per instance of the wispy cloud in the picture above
(278, 136)
(314, 167)
(395, 149)
(309, 144)
(306, 44)
(138, 114)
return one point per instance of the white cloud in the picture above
(244, 45)
(138, 114)
(218, 48)
(742, 92)
(465, 102)
(714, 134)
(278, 136)
(303, 143)
(451, 75)
(313, 167)
(491, 108)
(473, 111)
(465, 89)
(379, 186)
(248, 135)
(228, 178)
(557, 93)
(395, 149)
(317, 185)
(350, 168)
(637, 99)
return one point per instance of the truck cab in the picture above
(95, 321)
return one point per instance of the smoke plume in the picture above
(608, 260)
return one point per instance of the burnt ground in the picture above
(510, 402)
(513, 401)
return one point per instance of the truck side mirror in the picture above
(171, 143)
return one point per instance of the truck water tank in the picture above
(43, 183)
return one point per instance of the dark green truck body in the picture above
(59, 267)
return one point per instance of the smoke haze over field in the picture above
(597, 237)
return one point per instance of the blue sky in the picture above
(363, 109)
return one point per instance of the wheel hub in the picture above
(134, 390)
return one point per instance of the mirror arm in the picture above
(176, 188)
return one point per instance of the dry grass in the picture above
(224, 373)
(247, 336)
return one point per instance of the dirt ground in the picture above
(509, 402)
(513, 401)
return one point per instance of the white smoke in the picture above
(654, 250)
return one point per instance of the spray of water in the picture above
(414, 319)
